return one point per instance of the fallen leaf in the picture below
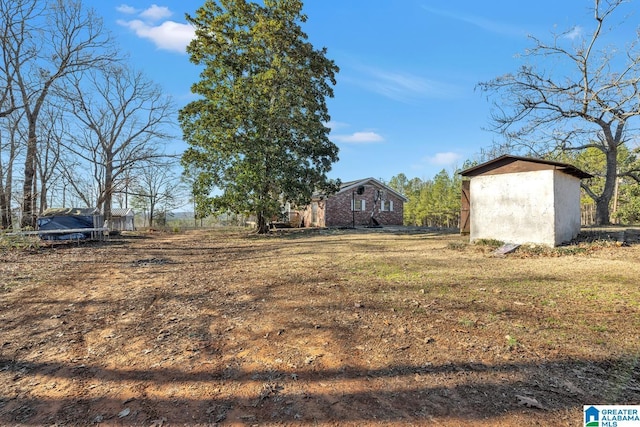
(159, 422)
(529, 402)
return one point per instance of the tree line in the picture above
(431, 202)
(78, 125)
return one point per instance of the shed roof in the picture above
(512, 164)
(122, 212)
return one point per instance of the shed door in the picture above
(465, 208)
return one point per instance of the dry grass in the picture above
(318, 327)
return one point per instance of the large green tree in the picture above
(257, 133)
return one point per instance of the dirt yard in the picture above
(364, 327)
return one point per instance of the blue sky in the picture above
(405, 101)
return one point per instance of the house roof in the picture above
(510, 164)
(352, 185)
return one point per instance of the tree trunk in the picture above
(603, 202)
(43, 197)
(108, 189)
(602, 211)
(28, 198)
(5, 195)
(263, 225)
(5, 212)
(5, 199)
(151, 214)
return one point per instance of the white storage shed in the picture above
(522, 200)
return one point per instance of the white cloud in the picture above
(167, 35)
(478, 21)
(125, 8)
(333, 125)
(359, 138)
(404, 87)
(574, 33)
(156, 13)
(398, 85)
(444, 159)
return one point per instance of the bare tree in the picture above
(158, 187)
(122, 120)
(11, 139)
(48, 151)
(80, 186)
(589, 101)
(9, 26)
(46, 41)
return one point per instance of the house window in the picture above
(386, 205)
(359, 205)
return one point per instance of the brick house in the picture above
(364, 202)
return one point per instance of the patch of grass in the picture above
(6, 287)
(467, 322)
(577, 248)
(571, 250)
(491, 243)
(512, 342)
(19, 242)
(457, 246)
(589, 294)
(599, 328)
(552, 321)
(493, 317)
(534, 250)
(396, 273)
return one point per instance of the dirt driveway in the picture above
(320, 328)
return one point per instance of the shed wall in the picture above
(122, 223)
(514, 207)
(567, 207)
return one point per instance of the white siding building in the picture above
(524, 200)
(122, 219)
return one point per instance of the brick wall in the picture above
(338, 209)
(308, 218)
